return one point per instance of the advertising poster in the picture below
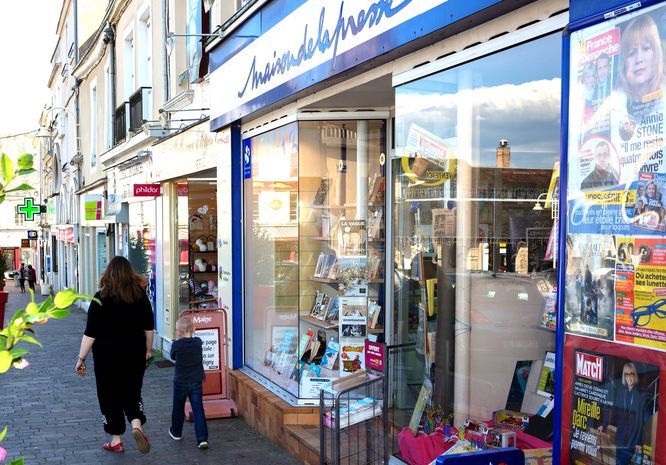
(617, 174)
(352, 356)
(210, 348)
(640, 288)
(611, 408)
(590, 291)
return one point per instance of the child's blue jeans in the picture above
(193, 391)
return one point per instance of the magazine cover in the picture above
(649, 202)
(616, 127)
(374, 310)
(352, 238)
(331, 354)
(352, 356)
(640, 288)
(590, 292)
(546, 386)
(613, 409)
(353, 274)
(332, 312)
(322, 192)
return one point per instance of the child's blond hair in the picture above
(184, 326)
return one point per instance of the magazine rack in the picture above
(353, 421)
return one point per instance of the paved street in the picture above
(53, 415)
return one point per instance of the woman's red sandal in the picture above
(141, 441)
(117, 448)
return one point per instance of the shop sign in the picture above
(25, 243)
(32, 234)
(146, 190)
(317, 40)
(92, 207)
(51, 209)
(192, 151)
(247, 159)
(29, 209)
(374, 355)
(65, 234)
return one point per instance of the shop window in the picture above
(197, 243)
(141, 242)
(314, 251)
(474, 176)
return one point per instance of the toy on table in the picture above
(498, 437)
(508, 419)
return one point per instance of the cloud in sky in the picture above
(526, 114)
(27, 35)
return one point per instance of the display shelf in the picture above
(204, 272)
(325, 280)
(375, 330)
(328, 325)
(206, 252)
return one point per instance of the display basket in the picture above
(353, 421)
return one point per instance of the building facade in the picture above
(339, 174)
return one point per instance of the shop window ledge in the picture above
(320, 323)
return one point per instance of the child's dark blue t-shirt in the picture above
(187, 354)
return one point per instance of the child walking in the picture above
(189, 374)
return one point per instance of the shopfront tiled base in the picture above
(295, 428)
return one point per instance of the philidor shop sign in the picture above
(146, 190)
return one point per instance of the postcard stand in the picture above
(352, 421)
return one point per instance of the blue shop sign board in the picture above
(290, 45)
(505, 456)
(247, 159)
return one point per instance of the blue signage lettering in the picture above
(325, 40)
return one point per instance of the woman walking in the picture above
(32, 277)
(22, 274)
(120, 333)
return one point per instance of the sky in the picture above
(27, 41)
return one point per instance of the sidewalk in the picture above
(54, 418)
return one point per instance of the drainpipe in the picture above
(110, 39)
(165, 33)
(75, 7)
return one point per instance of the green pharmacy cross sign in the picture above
(29, 209)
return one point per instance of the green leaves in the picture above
(20, 327)
(25, 162)
(64, 299)
(6, 168)
(9, 174)
(32, 309)
(22, 187)
(5, 361)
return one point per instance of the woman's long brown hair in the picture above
(121, 282)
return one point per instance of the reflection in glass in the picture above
(476, 149)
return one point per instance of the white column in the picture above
(362, 170)
(464, 229)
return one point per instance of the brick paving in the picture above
(54, 418)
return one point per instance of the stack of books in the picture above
(356, 412)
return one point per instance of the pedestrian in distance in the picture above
(189, 374)
(119, 331)
(22, 274)
(32, 277)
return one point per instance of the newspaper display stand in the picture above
(210, 325)
(353, 421)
